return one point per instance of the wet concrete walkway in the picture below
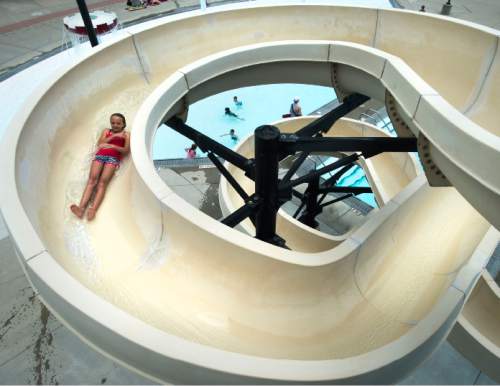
(31, 30)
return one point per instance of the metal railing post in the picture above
(446, 9)
(88, 22)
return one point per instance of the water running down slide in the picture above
(179, 297)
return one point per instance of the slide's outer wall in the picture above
(456, 76)
(475, 334)
(155, 365)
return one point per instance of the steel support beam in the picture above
(241, 213)
(346, 189)
(311, 202)
(290, 144)
(323, 124)
(309, 176)
(341, 198)
(206, 143)
(266, 183)
(228, 176)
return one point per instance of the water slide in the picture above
(179, 297)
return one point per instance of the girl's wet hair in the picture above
(120, 115)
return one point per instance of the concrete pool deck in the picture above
(32, 30)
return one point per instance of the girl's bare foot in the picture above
(77, 211)
(90, 214)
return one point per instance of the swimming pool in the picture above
(355, 176)
(261, 105)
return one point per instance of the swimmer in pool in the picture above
(232, 134)
(229, 113)
(237, 103)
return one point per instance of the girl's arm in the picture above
(126, 147)
(102, 138)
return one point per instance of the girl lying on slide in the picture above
(113, 144)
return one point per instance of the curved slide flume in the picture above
(176, 295)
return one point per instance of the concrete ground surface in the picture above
(35, 348)
(486, 12)
(32, 29)
(197, 186)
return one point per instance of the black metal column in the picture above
(312, 207)
(266, 182)
(88, 22)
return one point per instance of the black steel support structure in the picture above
(271, 147)
(205, 143)
(367, 145)
(84, 11)
(228, 176)
(311, 202)
(325, 122)
(266, 183)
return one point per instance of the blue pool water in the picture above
(356, 177)
(261, 105)
(353, 177)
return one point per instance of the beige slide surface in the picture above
(476, 333)
(179, 297)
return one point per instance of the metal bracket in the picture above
(402, 129)
(434, 175)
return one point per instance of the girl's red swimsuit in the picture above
(117, 141)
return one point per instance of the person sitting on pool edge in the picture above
(113, 145)
(295, 109)
(237, 103)
(232, 134)
(228, 112)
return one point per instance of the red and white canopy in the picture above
(102, 21)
